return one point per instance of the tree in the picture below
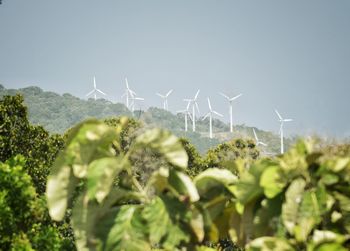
(18, 136)
(24, 221)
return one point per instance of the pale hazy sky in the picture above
(290, 55)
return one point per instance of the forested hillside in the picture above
(57, 113)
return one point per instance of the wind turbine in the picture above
(194, 105)
(282, 120)
(186, 112)
(95, 91)
(210, 115)
(133, 100)
(165, 99)
(257, 139)
(128, 94)
(230, 100)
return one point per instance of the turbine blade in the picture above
(278, 114)
(196, 96)
(209, 104)
(256, 137)
(225, 96)
(197, 107)
(188, 105)
(137, 98)
(262, 143)
(169, 92)
(90, 93)
(127, 83)
(206, 116)
(287, 120)
(94, 82)
(160, 95)
(219, 114)
(190, 115)
(101, 92)
(236, 97)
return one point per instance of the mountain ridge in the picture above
(57, 113)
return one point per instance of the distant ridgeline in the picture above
(57, 113)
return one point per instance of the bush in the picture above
(23, 218)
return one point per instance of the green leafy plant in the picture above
(166, 212)
(24, 222)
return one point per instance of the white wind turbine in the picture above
(194, 106)
(210, 115)
(230, 100)
(257, 139)
(282, 120)
(165, 99)
(186, 112)
(133, 100)
(128, 94)
(95, 91)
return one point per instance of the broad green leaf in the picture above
(272, 181)
(322, 236)
(165, 143)
(59, 189)
(158, 220)
(290, 207)
(269, 244)
(267, 216)
(247, 188)
(92, 141)
(83, 221)
(123, 228)
(101, 174)
(183, 185)
(213, 181)
(344, 203)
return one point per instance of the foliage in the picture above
(165, 212)
(24, 222)
(17, 136)
(298, 201)
(223, 155)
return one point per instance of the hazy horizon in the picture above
(290, 55)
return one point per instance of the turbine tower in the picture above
(133, 100)
(282, 120)
(165, 99)
(186, 112)
(230, 100)
(257, 139)
(95, 91)
(128, 94)
(210, 115)
(194, 104)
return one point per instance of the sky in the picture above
(290, 55)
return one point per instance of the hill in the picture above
(57, 113)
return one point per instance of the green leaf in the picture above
(123, 228)
(166, 144)
(272, 181)
(213, 182)
(158, 220)
(269, 244)
(183, 185)
(101, 174)
(247, 187)
(83, 221)
(290, 208)
(59, 188)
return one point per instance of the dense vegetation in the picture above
(57, 113)
(116, 184)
